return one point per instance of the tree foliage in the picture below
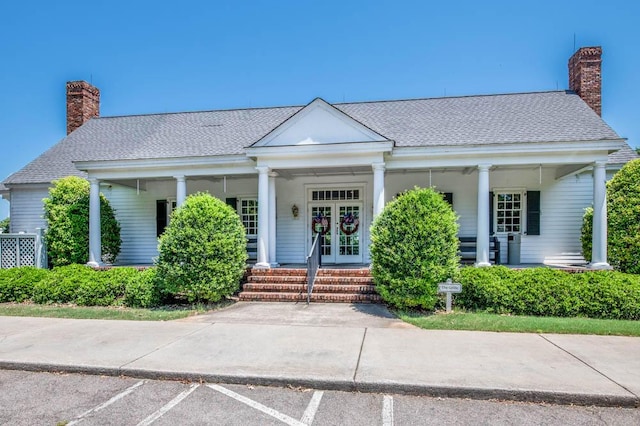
(67, 215)
(623, 220)
(5, 225)
(414, 246)
(203, 251)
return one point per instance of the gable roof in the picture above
(558, 116)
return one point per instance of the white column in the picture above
(272, 219)
(378, 188)
(482, 236)
(181, 190)
(599, 238)
(95, 243)
(263, 217)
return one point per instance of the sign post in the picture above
(449, 287)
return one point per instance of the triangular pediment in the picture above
(319, 123)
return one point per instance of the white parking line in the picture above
(175, 401)
(387, 410)
(121, 395)
(312, 408)
(253, 404)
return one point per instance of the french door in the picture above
(340, 225)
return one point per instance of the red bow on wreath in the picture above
(320, 224)
(351, 220)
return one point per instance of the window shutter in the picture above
(161, 216)
(233, 202)
(533, 212)
(491, 213)
(448, 197)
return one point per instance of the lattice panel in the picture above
(27, 251)
(17, 251)
(8, 252)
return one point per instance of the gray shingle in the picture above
(623, 156)
(474, 120)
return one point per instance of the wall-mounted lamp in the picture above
(295, 211)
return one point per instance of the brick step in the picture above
(315, 297)
(278, 271)
(285, 279)
(326, 279)
(361, 272)
(317, 288)
(320, 279)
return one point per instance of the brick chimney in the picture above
(585, 76)
(83, 103)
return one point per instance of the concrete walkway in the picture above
(333, 346)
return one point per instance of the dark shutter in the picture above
(491, 213)
(533, 212)
(233, 202)
(448, 197)
(161, 216)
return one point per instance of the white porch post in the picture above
(599, 238)
(272, 219)
(263, 217)
(181, 189)
(95, 238)
(482, 237)
(378, 188)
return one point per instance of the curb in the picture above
(520, 395)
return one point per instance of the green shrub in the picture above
(203, 251)
(586, 233)
(414, 246)
(67, 215)
(623, 220)
(142, 292)
(16, 284)
(62, 283)
(547, 292)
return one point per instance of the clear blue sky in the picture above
(151, 56)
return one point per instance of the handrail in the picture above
(314, 262)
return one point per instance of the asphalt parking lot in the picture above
(28, 398)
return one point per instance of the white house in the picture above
(524, 163)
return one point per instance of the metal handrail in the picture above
(314, 262)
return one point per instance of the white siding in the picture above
(27, 209)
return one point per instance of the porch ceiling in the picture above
(324, 171)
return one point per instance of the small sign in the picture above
(449, 287)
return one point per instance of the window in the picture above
(249, 215)
(509, 212)
(335, 195)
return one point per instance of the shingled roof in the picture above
(558, 116)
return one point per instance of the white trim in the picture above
(301, 114)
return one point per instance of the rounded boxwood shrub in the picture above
(16, 284)
(623, 220)
(414, 246)
(203, 251)
(67, 215)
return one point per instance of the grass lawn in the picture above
(114, 313)
(520, 324)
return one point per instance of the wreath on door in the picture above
(320, 224)
(349, 220)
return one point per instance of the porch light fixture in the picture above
(295, 211)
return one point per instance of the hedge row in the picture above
(80, 285)
(548, 292)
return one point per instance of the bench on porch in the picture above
(468, 249)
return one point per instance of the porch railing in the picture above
(22, 250)
(314, 262)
